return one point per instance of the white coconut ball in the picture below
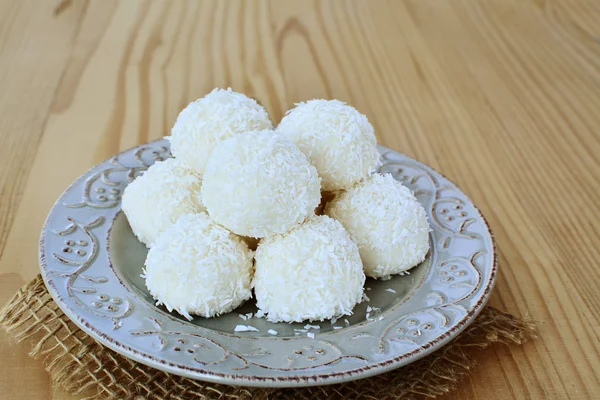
(197, 267)
(312, 273)
(209, 120)
(259, 184)
(154, 200)
(387, 223)
(337, 139)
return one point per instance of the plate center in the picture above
(128, 255)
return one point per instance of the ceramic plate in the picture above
(91, 263)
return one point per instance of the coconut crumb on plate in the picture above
(308, 326)
(245, 328)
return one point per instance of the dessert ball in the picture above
(312, 273)
(197, 267)
(259, 184)
(154, 200)
(209, 120)
(337, 139)
(387, 223)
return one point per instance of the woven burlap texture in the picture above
(82, 366)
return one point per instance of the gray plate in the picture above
(91, 263)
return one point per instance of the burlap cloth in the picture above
(82, 366)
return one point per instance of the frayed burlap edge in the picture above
(82, 366)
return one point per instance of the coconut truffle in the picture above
(209, 120)
(387, 223)
(312, 273)
(197, 267)
(154, 200)
(337, 139)
(259, 184)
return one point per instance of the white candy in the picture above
(312, 273)
(207, 121)
(154, 201)
(337, 139)
(259, 184)
(197, 267)
(387, 223)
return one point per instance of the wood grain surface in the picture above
(502, 96)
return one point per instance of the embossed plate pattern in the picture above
(91, 263)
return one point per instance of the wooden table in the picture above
(502, 96)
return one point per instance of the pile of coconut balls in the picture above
(236, 210)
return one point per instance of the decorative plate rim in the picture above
(263, 381)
